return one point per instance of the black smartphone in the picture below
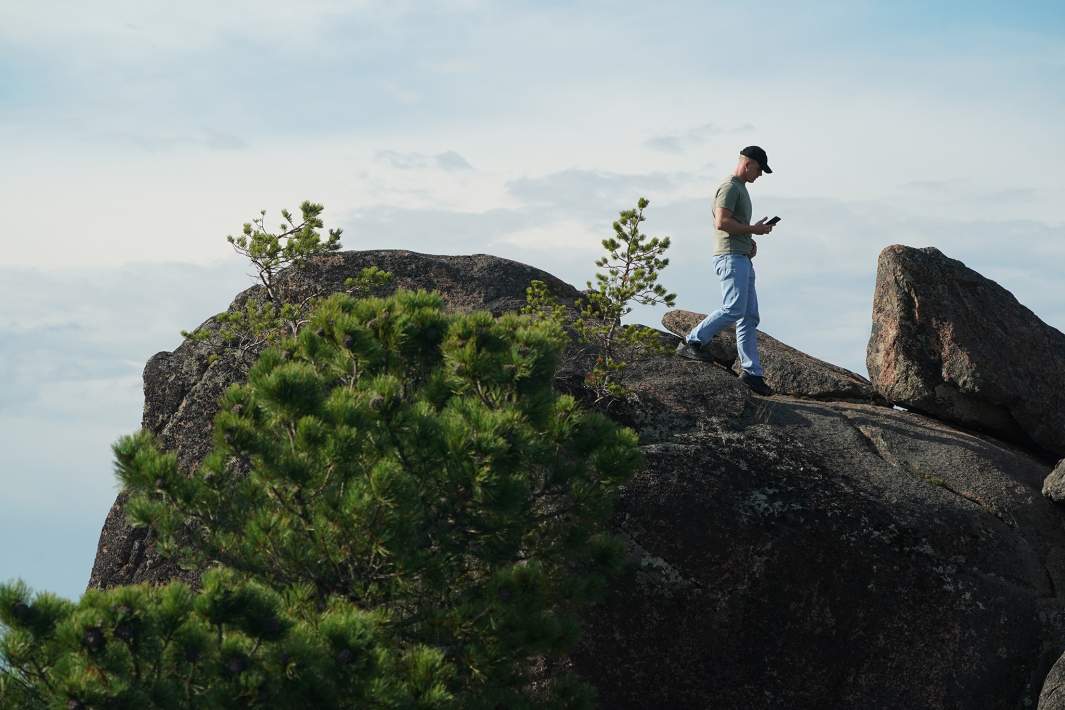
(773, 221)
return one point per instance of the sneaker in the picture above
(756, 384)
(694, 351)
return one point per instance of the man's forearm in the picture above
(735, 228)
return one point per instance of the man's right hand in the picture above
(760, 227)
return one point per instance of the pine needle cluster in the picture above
(232, 644)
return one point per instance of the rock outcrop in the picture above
(1052, 696)
(1054, 485)
(950, 343)
(787, 370)
(786, 552)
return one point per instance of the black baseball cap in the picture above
(755, 153)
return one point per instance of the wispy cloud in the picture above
(693, 138)
(590, 191)
(958, 193)
(166, 140)
(448, 161)
(78, 329)
(128, 26)
(452, 162)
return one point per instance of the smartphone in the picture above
(773, 221)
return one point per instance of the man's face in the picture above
(752, 171)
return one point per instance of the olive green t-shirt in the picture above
(732, 195)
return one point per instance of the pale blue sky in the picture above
(135, 135)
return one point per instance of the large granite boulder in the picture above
(785, 552)
(794, 553)
(787, 370)
(951, 343)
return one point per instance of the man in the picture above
(733, 250)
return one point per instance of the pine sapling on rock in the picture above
(629, 275)
(273, 312)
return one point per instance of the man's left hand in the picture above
(754, 248)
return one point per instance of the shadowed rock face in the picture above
(948, 342)
(786, 552)
(787, 370)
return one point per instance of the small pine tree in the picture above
(631, 273)
(268, 316)
(292, 246)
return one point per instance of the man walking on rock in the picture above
(733, 250)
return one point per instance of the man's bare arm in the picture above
(724, 220)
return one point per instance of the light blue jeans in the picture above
(739, 305)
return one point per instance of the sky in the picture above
(134, 136)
